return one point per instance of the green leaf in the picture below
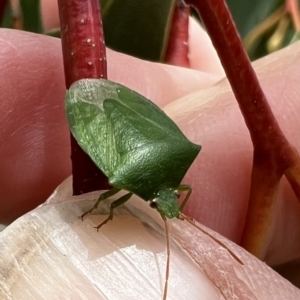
(55, 32)
(295, 38)
(31, 15)
(138, 27)
(248, 13)
(6, 21)
(264, 25)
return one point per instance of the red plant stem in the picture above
(273, 155)
(84, 57)
(177, 49)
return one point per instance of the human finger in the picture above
(126, 258)
(34, 138)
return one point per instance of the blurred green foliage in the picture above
(248, 14)
(31, 15)
(141, 27)
(6, 21)
(254, 22)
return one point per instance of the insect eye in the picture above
(153, 204)
(177, 193)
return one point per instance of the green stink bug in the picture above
(137, 146)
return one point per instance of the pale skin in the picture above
(34, 138)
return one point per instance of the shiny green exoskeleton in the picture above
(136, 145)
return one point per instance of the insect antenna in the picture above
(192, 222)
(168, 257)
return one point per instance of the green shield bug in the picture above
(136, 145)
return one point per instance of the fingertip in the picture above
(202, 54)
(49, 14)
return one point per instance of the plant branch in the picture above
(177, 49)
(273, 155)
(84, 57)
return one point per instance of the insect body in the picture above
(137, 146)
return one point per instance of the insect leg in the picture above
(115, 204)
(182, 188)
(192, 222)
(102, 197)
